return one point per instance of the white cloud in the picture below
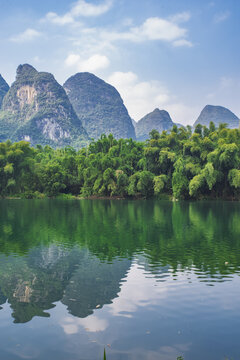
(180, 17)
(122, 79)
(79, 9)
(153, 28)
(142, 97)
(137, 291)
(26, 36)
(83, 8)
(72, 60)
(159, 29)
(59, 20)
(91, 323)
(183, 114)
(182, 42)
(93, 63)
(218, 18)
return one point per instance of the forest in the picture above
(183, 163)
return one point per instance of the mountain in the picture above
(3, 89)
(134, 123)
(37, 109)
(99, 106)
(158, 119)
(217, 114)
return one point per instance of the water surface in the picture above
(144, 279)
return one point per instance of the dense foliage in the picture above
(179, 163)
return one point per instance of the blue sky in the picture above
(178, 55)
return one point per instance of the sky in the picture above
(176, 55)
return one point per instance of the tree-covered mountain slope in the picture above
(99, 106)
(37, 109)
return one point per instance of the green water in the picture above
(144, 279)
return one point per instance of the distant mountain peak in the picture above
(85, 76)
(99, 106)
(37, 109)
(157, 111)
(157, 119)
(214, 108)
(217, 114)
(26, 70)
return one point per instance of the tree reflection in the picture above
(77, 252)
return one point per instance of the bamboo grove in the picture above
(180, 164)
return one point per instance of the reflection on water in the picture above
(153, 279)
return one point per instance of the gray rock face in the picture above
(158, 119)
(99, 106)
(37, 109)
(3, 89)
(134, 123)
(217, 114)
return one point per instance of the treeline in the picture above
(181, 163)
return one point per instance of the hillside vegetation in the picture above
(99, 106)
(37, 109)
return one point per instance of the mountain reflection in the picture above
(78, 252)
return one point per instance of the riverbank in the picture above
(168, 197)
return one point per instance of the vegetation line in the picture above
(180, 164)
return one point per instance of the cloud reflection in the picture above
(91, 323)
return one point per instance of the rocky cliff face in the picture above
(37, 109)
(3, 89)
(99, 106)
(134, 123)
(158, 119)
(217, 114)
